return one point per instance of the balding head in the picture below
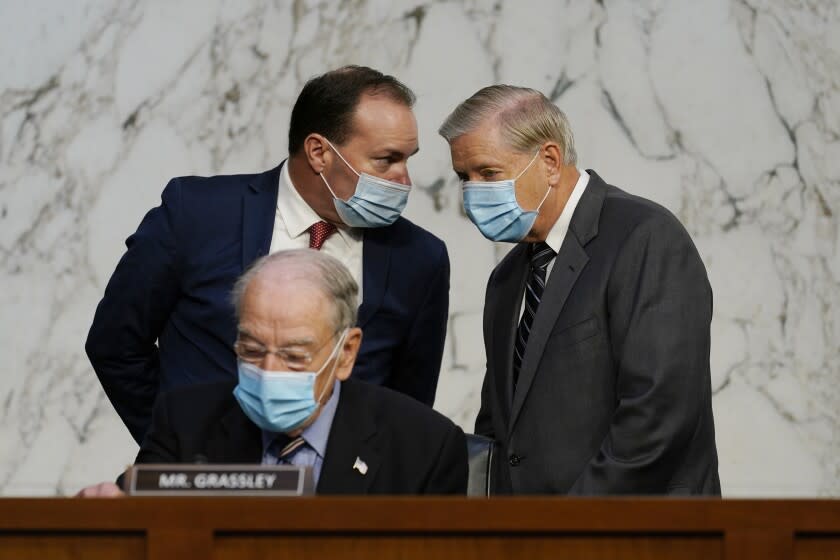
(523, 117)
(301, 269)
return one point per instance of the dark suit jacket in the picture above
(408, 447)
(614, 391)
(173, 287)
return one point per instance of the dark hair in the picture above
(327, 102)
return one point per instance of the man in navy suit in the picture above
(166, 319)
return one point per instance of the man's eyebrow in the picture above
(243, 332)
(476, 167)
(304, 341)
(394, 152)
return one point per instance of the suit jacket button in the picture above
(514, 460)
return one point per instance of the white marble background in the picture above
(725, 111)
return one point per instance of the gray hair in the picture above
(526, 119)
(326, 272)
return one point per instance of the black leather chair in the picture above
(480, 454)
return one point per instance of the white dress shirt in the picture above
(292, 220)
(557, 233)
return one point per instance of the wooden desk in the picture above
(458, 528)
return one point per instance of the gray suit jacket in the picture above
(614, 392)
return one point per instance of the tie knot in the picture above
(287, 445)
(541, 254)
(318, 233)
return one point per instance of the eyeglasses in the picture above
(293, 358)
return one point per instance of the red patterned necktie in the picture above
(318, 233)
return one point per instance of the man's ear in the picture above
(552, 157)
(347, 354)
(317, 152)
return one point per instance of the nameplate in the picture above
(218, 480)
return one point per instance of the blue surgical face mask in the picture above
(280, 401)
(492, 207)
(375, 203)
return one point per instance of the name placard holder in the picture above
(218, 480)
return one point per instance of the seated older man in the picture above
(294, 403)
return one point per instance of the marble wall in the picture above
(725, 111)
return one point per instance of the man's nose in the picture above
(271, 362)
(401, 175)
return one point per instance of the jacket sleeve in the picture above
(160, 444)
(420, 358)
(138, 299)
(450, 470)
(484, 419)
(660, 305)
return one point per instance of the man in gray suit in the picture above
(596, 324)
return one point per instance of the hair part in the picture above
(326, 272)
(526, 119)
(327, 103)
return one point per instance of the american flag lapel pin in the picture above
(360, 466)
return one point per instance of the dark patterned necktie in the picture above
(290, 448)
(318, 233)
(541, 255)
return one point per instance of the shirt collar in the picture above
(558, 231)
(318, 432)
(297, 216)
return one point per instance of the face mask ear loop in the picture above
(527, 167)
(342, 158)
(335, 365)
(329, 188)
(547, 191)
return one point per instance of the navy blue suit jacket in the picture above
(172, 287)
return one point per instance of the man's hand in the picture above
(101, 490)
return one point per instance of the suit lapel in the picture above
(568, 266)
(376, 261)
(259, 205)
(508, 292)
(352, 438)
(236, 439)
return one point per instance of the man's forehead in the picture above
(480, 143)
(284, 295)
(291, 337)
(382, 120)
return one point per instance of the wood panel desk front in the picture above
(434, 528)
